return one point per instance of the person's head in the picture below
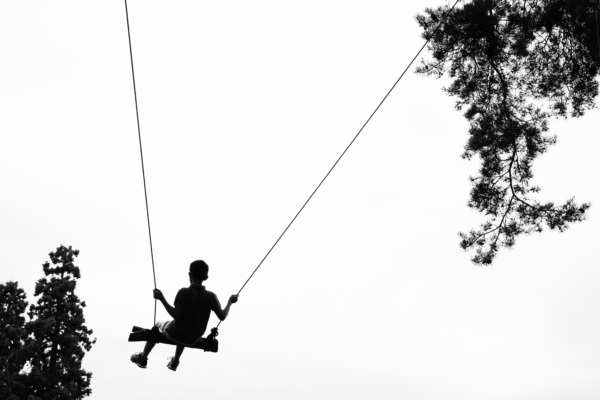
(198, 271)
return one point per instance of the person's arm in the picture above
(173, 312)
(222, 314)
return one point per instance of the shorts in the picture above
(163, 326)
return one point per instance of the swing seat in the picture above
(138, 334)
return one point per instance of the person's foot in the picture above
(139, 360)
(173, 364)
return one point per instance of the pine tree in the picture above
(13, 304)
(514, 64)
(58, 335)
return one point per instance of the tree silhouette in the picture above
(514, 64)
(56, 336)
(12, 336)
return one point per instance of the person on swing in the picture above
(190, 314)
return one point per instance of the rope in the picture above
(137, 115)
(442, 20)
(314, 191)
(598, 31)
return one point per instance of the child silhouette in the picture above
(190, 313)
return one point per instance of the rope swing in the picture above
(442, 20)
(137, 116)
(347, 147)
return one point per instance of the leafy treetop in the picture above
(514, 64)
(59, 336)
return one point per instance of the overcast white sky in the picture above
(244, 106)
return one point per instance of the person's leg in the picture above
(174, 363)
(148, 348)
(141, 359)
(157, 330)
(178, 352)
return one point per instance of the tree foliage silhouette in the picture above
(42, 358)
(514, 64)
(13, 304)
(60, 337)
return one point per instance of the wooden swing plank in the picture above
(143, 335)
